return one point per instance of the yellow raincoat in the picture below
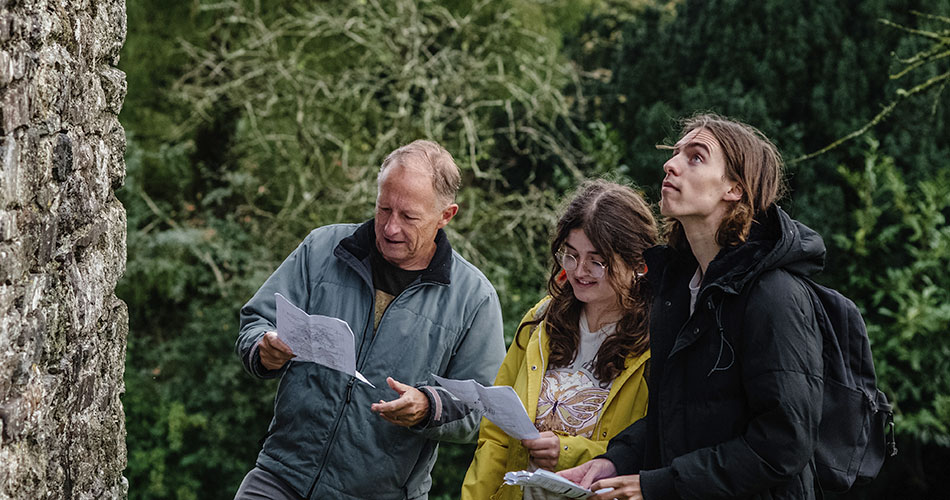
(523, 369)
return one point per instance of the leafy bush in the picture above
(897, 250)
(319, 94)
(277, 122)
(252, 122)
(899, 253)
(805, 73)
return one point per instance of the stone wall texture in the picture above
(62, 249)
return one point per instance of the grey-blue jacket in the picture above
(324, 441)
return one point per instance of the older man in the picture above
(415, 307)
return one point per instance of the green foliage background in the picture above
(250, 122)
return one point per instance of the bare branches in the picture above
(323, 92)
(372, 66)
(939, 51)
(902, 94)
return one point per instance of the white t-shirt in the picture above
(571, 396)
(694, 285)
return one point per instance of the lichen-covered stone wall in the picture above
(62, 249)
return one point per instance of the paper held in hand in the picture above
(317, 339)
(551, 482)
(498, 403)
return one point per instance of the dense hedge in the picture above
(251, 122)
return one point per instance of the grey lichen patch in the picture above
(10, 173)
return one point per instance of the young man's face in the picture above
(408, 216)
(695, 186)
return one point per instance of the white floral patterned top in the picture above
(571, 396)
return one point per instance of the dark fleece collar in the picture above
(361, 243)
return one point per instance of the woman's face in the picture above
(695, 187)
(588, 288)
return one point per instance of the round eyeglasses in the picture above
(569, 263)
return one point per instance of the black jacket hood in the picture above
(776, 241)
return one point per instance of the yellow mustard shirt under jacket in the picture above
(523, 369)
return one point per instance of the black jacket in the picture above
(735, 388)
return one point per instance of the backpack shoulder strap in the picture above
(845, 335)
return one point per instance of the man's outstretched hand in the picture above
(410, 408)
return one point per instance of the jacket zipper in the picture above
(346, 401)
(369, 321)
(332, 440)
(703, 292)
(349, 385)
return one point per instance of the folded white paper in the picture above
(317, 339)
(498, 403)
(550, 481)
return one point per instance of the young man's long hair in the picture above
(620, 225)
(752, 161)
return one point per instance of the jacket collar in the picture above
(362, 242)
(775, 241)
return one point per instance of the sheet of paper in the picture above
(499, 403)
(551, 482)
(317, 339)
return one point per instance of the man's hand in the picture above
(589, 472)
(544, 450)
(409, 409)
(274, 352)
(624, 488)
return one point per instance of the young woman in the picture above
(579, 356)
(736, 382)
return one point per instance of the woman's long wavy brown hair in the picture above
(752, 161)
(620, 225)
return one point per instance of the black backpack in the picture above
(857, 424)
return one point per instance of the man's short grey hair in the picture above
(446, 178)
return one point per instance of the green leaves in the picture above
(250, 123)
(276, 123)
(900, 244)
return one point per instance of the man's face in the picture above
(408, 216)
(695, 186)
